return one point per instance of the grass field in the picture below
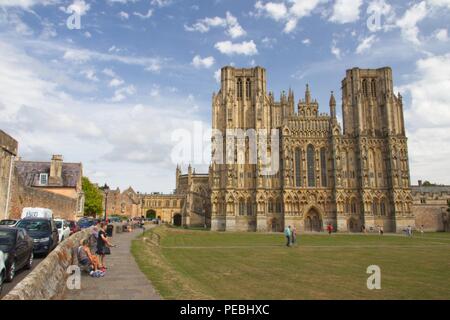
(194, 264)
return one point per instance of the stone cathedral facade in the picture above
(349, 177)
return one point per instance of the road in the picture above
(22, 273)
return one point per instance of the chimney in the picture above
(56, 170)
(420, 183)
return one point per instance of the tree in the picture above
(93, 198)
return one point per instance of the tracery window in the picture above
(248, 88)
(323, 166)
(298, 167)
(310, 164)
(239, 88)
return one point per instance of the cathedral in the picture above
(352, 177)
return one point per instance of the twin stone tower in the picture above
(307, 171)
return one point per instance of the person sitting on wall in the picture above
(87, 260)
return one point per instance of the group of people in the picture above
(291, 235)
(92, 251)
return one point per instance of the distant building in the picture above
(430, 204)
(126, 203)
(188, 205)
(8, 150)
(52, 184)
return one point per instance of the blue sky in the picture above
(111, 93)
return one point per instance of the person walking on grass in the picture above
(103, 246)
(294, 235)
(329, 228)
(287, 233)
(409, 231)
(421, 229)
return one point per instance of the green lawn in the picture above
(194, 264)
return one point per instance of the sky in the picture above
(117, 84)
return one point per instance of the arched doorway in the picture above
(353, 225)
(274, 225)
(177, 219)
(313, 221)
(150, 214)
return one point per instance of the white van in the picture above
(37, 213)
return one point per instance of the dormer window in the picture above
(43, 179)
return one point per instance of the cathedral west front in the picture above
(351, 176)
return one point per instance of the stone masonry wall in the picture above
(23, 196)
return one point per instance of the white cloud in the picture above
(408, 23)
(200, 62)
(247, 48)
(78, 6)
(144, 16)
(275, 10)
(440, 3)
(335, 50)
(288, 15)
(383, 11)
(116, 82)
(77, 56)
(306, 41)
(26, 4)
(109, 72)
(345, 11)
(217, 75)
(161, 3)
(123, 15)
(428, 118)
(268, 42)
(442, 35)
(230, 22)
(366, 44)
(89, 74)
(87, 34)
(122, 93)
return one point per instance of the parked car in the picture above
(8, 222)
(43, 231)
(63, 229)
(84, 223)
(17, 246)
(2, 270)
(74, 227)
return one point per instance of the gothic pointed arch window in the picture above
(239, 88)
(375, 207)
(248, 88)
(383, 207)
(373, 88)
(249, 207)
(353, 206)
(242, 207)
(364, 87)
(323, 166)
(311, 159)
(298, 167)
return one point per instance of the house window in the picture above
(43, 179)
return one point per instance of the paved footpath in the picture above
(123, 279)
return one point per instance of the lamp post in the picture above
(106, 190)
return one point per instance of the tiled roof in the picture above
(29, 171)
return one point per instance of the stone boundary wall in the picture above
(48, 279)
